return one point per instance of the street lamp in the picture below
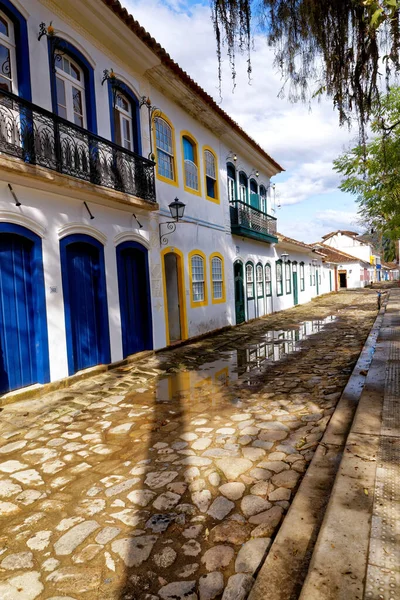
(284, 256)
(177, 209)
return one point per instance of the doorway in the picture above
(330, 281)
(174, 288)
(317, 281)
(85, 302)
(239, 292)
(23, 323)
(295, 285)
(134, 298)
(342, 279)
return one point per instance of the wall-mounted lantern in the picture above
(314, 261)
(177, 210)
(284, 256)
(115, 83)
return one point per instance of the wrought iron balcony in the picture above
(39, 137)
(251, 222)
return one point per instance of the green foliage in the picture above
(372, 171)
(333, 47)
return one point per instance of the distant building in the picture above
(355, 244)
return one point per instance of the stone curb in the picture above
(339, 562)
(282, 575)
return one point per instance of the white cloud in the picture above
(304, 142)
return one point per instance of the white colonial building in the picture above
(93, 268)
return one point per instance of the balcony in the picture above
(41, 138)
(251, 222)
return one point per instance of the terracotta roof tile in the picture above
(165, 58)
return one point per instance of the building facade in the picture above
(100, 131)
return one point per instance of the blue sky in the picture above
(303, 141)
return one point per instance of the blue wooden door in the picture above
(84, 304)
(18, 365)
(134, 298)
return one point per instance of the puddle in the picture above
(241, 364)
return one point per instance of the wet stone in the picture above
(75, 536)
(231, 532)
(252, 505)
(286, 479)
(232, 468)
(191, 548)
(160, 522)
(160, 479)
(8, 488)
(11, 466)
(8, 508)
(178, 590)
(233, 490)
(193, 531)
(119, 488)
(217, 557)
(211, 585)
(24, 587)
(106, 535)
(274, 465)
(251, 555)
(188, 570)
(134, 551)
(141, 497)
(220, 508)
(202, 500)
(165, 558)
(267, 522)
(238, 587)
(39, 541)
(166, 501)
(76, 579)
(279, 494)
(262, 488)
(12, 447)
(21, 560)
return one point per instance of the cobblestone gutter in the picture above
(168, 479)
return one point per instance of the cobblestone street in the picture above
(168, 478)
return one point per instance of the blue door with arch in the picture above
(24, 357)
(85, 302)
(134, 298)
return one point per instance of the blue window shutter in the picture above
(188, 150)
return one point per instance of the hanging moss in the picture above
(332, 47)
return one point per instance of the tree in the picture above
(371, 171)
(332, 47)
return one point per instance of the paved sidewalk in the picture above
(357, 553)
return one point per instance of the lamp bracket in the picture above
(170, 228)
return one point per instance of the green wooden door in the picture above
(330, 280)
(295, 288)
(316, 280)
(239, 292)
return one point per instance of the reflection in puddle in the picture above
(242, 363)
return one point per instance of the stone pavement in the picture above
(167, 479)
(357, 554)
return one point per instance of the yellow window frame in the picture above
(175, 181)
(216, 199)
(187, 134)
(223, 299)
(204, 302)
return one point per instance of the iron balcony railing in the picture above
(247, 218)
(39, 137)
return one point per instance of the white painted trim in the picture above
(130, 236)
(78, 46)
(73, 228)
(128, 84)
(20, 219)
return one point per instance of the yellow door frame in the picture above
(180, 263)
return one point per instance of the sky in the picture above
(303, 139)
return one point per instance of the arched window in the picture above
(250, 281)
(231, 174)
(302, 278)
(268, 280)
(211, 175)
(263, 199)
(260, 280)
(243, 193)
(8, 67)
(165, 150)
(254, 201)
(70, 86)
(279, 278)
(15, 73)
(197, 267)
(123, 122)
(288, 277)
(190, 164)
(217, 278)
